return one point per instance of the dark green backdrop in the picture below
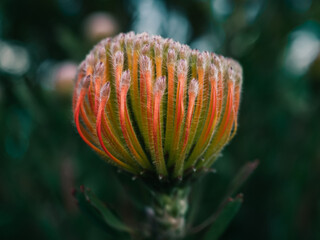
(42, 158)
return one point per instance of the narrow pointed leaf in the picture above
(244, 173)
(241, 177)
(91, 205)
(224, 218)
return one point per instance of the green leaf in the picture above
(223, 218)
(227, 201)
(90, 204)
(242, 176)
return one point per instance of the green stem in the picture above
(167, 215)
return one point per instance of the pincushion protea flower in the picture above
(151, 105)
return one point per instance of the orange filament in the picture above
(76, 119)
(212, 107)
(149, 103)
(179, 105)
(108, 133)
(97, 85)
(170, 107)
(197, 112)
(142, 98)
(192, 98)
(220, 94)
(98, 128)
(118, 73)
(235, 109)
(90, 97)
(160, 163)
(228, 108)
(135, 87)
(158, 67)
(141, 158)
(200, 96)
(85, 118)
(179, 117)
(209, 127)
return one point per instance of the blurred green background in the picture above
(42, 158)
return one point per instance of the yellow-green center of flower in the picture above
(145, 103)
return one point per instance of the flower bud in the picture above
(153, 124)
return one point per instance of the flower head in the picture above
(151, 105)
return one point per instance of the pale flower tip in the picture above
(194, 53)
(82, 66)
(231, 74)
(201, 62)
(131, 34)
(105, 91)
(145, 63)
(194, 87)
(145, 49)
(144, 37)
(217, 61)
(137, 43)
(182, 68)
(99, 68)
(102, 52)
(160, 85)
(171, 56)
(86, 81)
(177, 46)
(115, 47)
(158, 49)
(121, 38)
(118, 58)
(129, 39)
(213, 72)
(237, 68)
(184, 52)
(125, 78)
(90, 59)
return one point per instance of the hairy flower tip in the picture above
(118, 58)
(126, 78)
(129, 39)
(160, 85)
(81, 68)
(153, 105)
(86, 81)
(184, 52)
(202, 57)
(145, 63)
(98, 70)
(158, 49)
(194, 87)
(172, 56)
(115, 47)
(231, 74)
(90, 59)
(145, 49)
(213, 72)
(102, 51)
(182, 68)
(105, 91)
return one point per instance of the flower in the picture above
(148, 104)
